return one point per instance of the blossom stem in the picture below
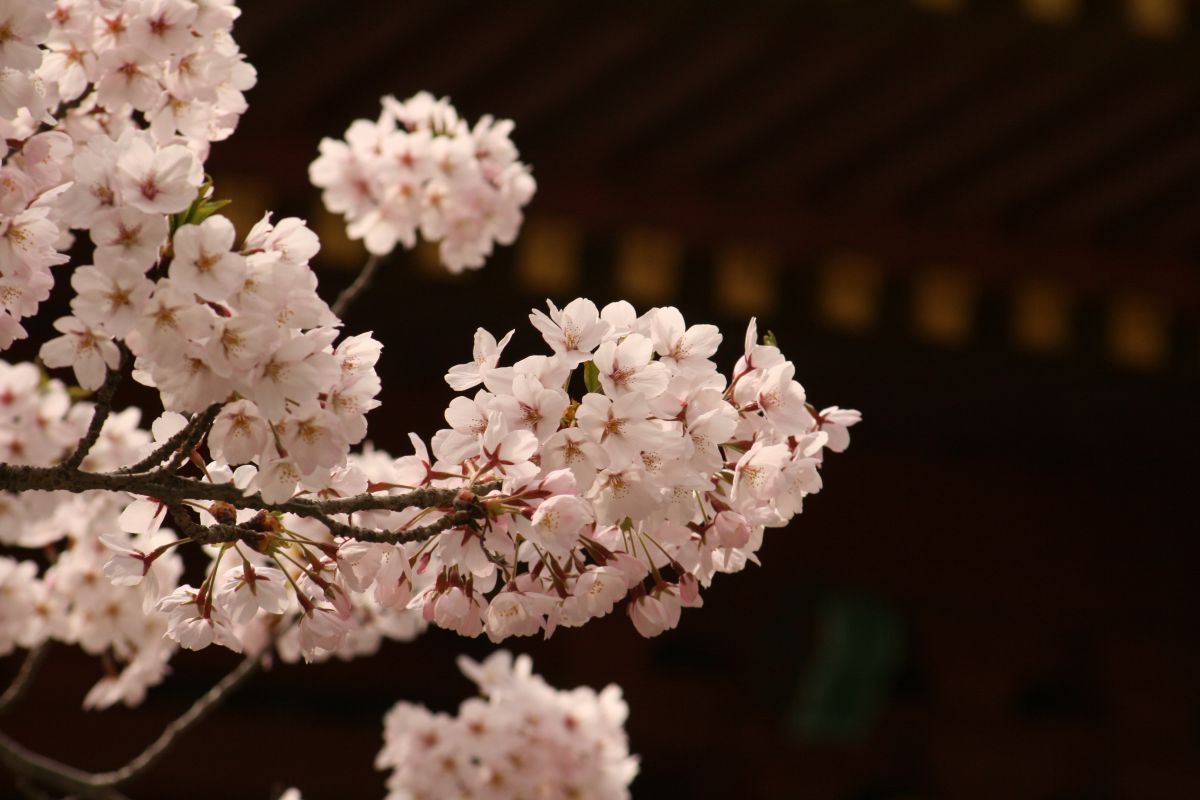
(300, 596)
(302, 567)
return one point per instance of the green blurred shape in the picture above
(859, 646)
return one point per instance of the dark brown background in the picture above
(995, 596)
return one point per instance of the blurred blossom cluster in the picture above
(420, 168)
(521, 739)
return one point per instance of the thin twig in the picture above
(205, 705)
(168, 447)
(351, 292)
(103, 407)
(196, 429)
(35, 768)
(220, 533)
(20, 684)
(418, 534)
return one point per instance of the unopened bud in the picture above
(222, 512)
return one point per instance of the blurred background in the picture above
(975, 221)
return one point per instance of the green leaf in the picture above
(591, 377)
(207, 209)
(201, 208)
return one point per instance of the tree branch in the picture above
(20, 684)
(174, 490)
(351, 292)
(30, 791)
(33, 768)
(199, 710)
(219, 533)
(169, 446)
(39, 769)
(196, 429)
(418, 534)
(103, 407)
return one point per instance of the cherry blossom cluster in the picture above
(226, 322)
(660, 475)
(521, 739)
(539, 510)
(419, 167)
(112, 582)
(250, 595)
(621, 466)
(73, 600)
(107, 109)
(169, 66)
(238, 337)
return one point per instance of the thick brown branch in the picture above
(30, 791)
(174, 491)
(219, 533)
(173, 488)
(418, 534)
(211, 534)
(417, 498)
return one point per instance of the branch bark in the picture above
(39, 770)
(196, 430)
(174, 490)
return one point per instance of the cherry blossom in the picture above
(485, 355)
(203, 263)
(574, 332)
(87, 350)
